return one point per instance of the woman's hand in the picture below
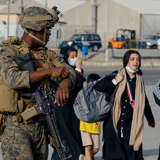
(151, 124)
(79, 62)
(119, 77)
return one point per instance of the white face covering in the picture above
(72, 61)
(131, 70)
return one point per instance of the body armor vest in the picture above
(10, 100)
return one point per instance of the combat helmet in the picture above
(37, 18)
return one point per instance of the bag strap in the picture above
(131, 100)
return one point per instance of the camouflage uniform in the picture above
(23, 140)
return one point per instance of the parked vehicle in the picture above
(126, 38)
(123, 38)
(94, 41)
(158, 43)
(152, 41)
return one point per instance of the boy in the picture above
(90, 132)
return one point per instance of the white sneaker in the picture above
(81, 157)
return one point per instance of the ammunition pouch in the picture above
(3, 119)
(8, 98)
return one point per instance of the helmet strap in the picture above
(44, 35)
(34, 37)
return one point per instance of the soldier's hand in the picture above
(62, 93)
(59, 72)
(61, 97)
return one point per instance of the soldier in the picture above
(26, 139)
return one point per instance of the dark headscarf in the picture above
(66, 51)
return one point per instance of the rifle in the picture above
(45, 104)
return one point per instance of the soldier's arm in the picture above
(10, 72)
(16, 78)
(59, 61)
(57, 72)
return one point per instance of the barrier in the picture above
(145, 53)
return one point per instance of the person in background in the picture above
(90, 132)
(71, 57)
(69, 124)
(123, 130)
(84, 48)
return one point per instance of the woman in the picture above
(123, 130)
(67, 121)
(71, 57)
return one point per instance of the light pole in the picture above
(22, 6)
(46, 4)
(94, 16)
(8, 19)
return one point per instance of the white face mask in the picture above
(72, 61)
(131, 70)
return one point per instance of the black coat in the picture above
(116, 146)
(69, 125)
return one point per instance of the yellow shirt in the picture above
(90, 127)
